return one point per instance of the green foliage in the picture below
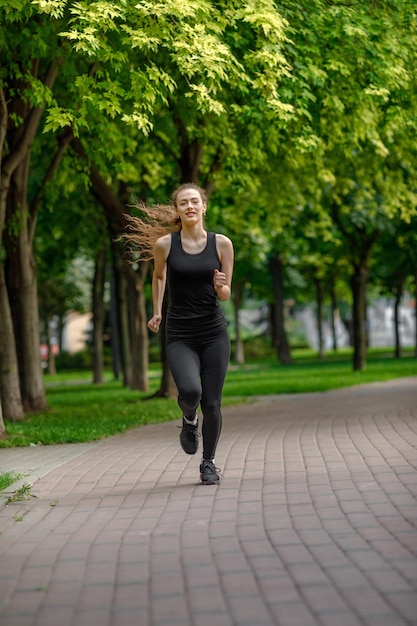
(395, 261)
(258, 348)
(148, 50)
(55, 8)
(338, 175)
(81, 360)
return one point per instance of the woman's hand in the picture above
(221, 285)
(154, 323)
(219, 279)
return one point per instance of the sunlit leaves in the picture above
(55, 8)
(58, 117)
(209, 45)
(173, 7)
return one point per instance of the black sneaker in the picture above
(208, 471)
(189, 437)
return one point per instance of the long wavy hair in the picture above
(154, 221)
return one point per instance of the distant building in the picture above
(380, 326)
(76, 332)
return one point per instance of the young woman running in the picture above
(198, 266)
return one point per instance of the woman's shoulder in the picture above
(163, 244)
(222, 240)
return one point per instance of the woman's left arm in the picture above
(223, 280)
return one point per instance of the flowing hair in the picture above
(153, 222)
(143, 231)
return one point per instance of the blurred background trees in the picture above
(299, 120)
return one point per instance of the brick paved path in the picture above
(314, 522)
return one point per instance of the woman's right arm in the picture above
(161, 251)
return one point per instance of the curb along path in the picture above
(314, 522)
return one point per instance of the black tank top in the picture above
(190, 281)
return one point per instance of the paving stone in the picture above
(313, 523)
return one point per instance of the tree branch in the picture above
(63, 144)
(3, 120)
(167, 147)
(216, 164)
(31, 124)
(114, 209)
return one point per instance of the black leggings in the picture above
(199, 365)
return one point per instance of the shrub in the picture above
(78, 361)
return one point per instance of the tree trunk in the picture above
(358, 284)
(415, 313)
(114, 329)
(124, 276)
(99, 314)
(126, 294)
(10, 395)
(22, 288)
(140, 380)
(397, 321)
(319, 317)
(281, 342)
(51, 351)
(334, 315)
(11, 400)
(2, 427)
(60, 331)
(19, 140)
(237, 298)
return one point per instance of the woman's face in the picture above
(190, 206)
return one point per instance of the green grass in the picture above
(79, 411)
(87, 412)
(311, 374)
(8, 478)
